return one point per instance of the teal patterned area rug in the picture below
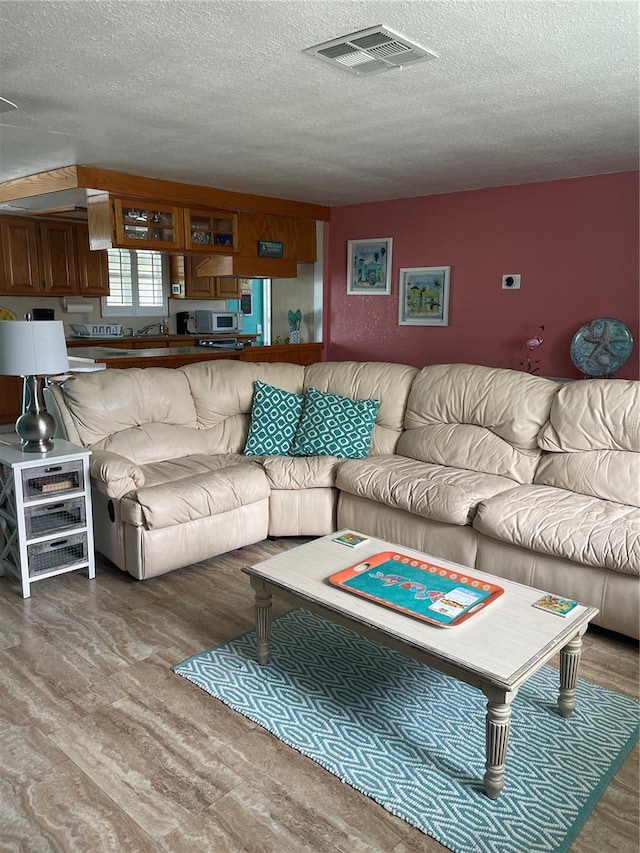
(413, 739)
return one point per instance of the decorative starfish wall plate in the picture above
(601, 346)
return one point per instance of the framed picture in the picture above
(424, 296)
(369, 267)
(270, 249)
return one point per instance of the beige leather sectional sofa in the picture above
(496, 469)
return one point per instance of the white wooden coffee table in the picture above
(496, 650)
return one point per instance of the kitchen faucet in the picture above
(146, 330)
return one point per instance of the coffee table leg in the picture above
(569, 666)
(498, 722)
(263, 618)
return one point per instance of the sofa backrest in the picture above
(143, 414)
(386, 382)
(153, 414)
(478, 418)
(592, 440)
(222, 394)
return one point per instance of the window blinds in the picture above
(135, 279)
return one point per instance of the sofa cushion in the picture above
(560, 523)
(194, 497)
(613, 475)
(275, 415)
(432, 491)
(333, 425)
(301, 472)
(389, 383)
(594, 414)
(480, 418)
(170, 470)
(154, 442)
(593, 440)
(471, 447)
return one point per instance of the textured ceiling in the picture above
(220, 94)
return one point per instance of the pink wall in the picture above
(575, 243)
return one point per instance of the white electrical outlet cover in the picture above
(511, 281)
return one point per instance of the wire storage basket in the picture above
(44, 519)
(52, 479)
(57, 553)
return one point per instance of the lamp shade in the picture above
(32, 348)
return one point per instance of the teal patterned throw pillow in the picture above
(274, 419)
(332, 425)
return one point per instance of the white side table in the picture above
(45, 512)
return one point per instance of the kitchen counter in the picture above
(153, 357)
(177, 356)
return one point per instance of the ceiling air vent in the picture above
(370, 51)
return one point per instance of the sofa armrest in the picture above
(114, 475)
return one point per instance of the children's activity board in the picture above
(424, 590)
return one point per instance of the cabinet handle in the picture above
(52, 468)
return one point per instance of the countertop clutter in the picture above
(146, 341)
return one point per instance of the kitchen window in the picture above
(138, 284)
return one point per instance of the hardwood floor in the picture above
(103, 748)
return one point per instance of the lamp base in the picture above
(35, 426)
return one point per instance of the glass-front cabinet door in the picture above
(141, 225)
(210, 231)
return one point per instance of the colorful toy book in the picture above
(351, 539)
(556, 604)
(421, 589)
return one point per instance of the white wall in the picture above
(290, 294)
(20, 305)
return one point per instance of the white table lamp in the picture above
(33, 350)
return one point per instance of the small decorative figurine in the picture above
(532, 365)
(295, 318)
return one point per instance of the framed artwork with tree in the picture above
(423, 299)
(369, 267)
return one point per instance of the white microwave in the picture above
(218, 321)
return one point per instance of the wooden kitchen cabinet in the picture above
(305, 354)
(208, 286)
(196, 286)
(20, 269)
(141, 225)
(210, 231)
(127, 223)
(298, 236)
(93, 267)
(227, 287)
(49, 258)
(58, 252)
(10, 399)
